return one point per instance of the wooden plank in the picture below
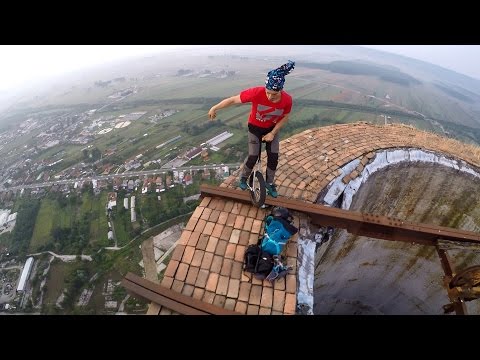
(171, 299)
(154, 309)
(150, 295)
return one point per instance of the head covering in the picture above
(276, 78)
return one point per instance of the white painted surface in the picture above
(381, 160)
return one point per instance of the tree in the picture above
(29, 306)
(96, 154)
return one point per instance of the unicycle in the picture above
(256, 183)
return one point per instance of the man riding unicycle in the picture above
(271, 107)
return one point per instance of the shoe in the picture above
(243, 183)
(272, 190)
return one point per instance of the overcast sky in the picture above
(22, 64)
(464, 59)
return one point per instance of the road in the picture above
(65, 258)
(122, 175)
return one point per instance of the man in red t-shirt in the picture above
(271, 107)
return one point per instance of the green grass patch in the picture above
(89, 219)
(56, 280)
(44, 224)
(93, 209)
(121, 222)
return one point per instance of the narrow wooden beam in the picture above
(375, 226)
(148, 290)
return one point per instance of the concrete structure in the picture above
(219, 138)
(168, 142)
(207, 261)
(12, 217)
(4, 216)
(25, 274)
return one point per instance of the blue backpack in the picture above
(278, 230)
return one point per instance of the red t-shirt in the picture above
(265, 113)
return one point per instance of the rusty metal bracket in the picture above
(375, 226)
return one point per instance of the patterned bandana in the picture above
(276, 78)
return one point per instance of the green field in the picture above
(49, 216)
(94, 208)
(71, 277)
(56, 280)
(52, 215)
(122, 223)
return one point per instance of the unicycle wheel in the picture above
(258, 191)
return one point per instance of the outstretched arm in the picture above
(212, 113)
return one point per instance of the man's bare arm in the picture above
(212, 113)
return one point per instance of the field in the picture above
(52, 215)
(122, 223)
(93, 208)
(49, 216)
(56, 280)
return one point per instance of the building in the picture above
(4, 216)
(111, 204)
(25, 274)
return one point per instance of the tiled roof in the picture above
(207, 262)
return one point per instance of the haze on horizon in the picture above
(463, 59)
(23, 65)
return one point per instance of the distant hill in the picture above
(360, 68)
